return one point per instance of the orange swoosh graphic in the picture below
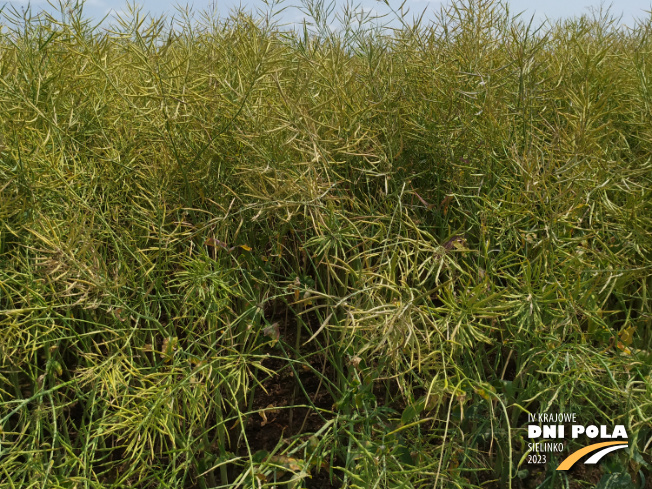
(575, 456)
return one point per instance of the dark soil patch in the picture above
(292, 402)
(279, 405)
(322, 480)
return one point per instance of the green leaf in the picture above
(259, 456)
(412, 411)
(403, 454)
(616, 481)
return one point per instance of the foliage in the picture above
(427, 231)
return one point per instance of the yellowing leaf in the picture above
(56, 366)
(624, 349)
(483, 394)
(627, 335)
(289, 463)
(169, 347)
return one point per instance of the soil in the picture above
(276, 419)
